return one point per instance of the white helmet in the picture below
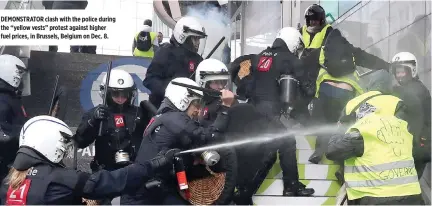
(180, 96)
(47, 135)
(190, 27)
(120, 83)
(210, 70)
(12, 70)
(405, 60)
(293, 39)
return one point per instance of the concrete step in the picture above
(281, 200)
(307, 171)
(323, 188)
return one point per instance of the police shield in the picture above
(213, 185)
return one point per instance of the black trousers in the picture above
(327, 109)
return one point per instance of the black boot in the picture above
(297, 188)
(316, 157)
(242, 197)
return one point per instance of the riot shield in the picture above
(213, 185)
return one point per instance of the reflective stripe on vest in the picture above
(384, 104)
(386, 168)
(317, 39)
(150, 52)
(351, 79)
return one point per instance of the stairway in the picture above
(321, 177)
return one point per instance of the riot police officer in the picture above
(179, 58)
(14, 82)
(122, 124)
(262, 89)
(175, 127)
(38, 177)
(211, 74)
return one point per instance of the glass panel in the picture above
(261, 28)
(345, 6)
(412, 39)
(351, 29)
(375, 22)
(404, 13)
(331, 9)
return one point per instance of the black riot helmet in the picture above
(148, 22)
(315, 12)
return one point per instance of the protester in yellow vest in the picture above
(145, 41)
(377, 148)
(331, 63)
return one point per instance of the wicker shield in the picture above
(217, 187)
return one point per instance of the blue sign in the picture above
(137, 67)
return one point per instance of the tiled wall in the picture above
(385, 28)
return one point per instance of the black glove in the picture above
(353, 135)
(101, 112)
(163, 159)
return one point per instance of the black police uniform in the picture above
(171, 61)
(418, 99)
(114, 136)
(52, 184)
(171, 129)
(263, 91)
(12, 118)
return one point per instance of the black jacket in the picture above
(52, 184)
(130, 135)
(175, 129)
(171, 61)
(12, 118)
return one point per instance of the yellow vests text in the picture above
(386, 168)
(150, 52)
(384, 104)
(317, 40)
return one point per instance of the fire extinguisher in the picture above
(181, 175)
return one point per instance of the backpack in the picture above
(144, 42)
(339, 59)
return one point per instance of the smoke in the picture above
(215, 23)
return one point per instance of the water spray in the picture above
(267, 137)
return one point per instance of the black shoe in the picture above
(297, 189)
(241, 198)
(315, 157)
(340, 177)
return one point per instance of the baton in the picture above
(214, 48)
(52, 104)
(106, 91)
(205, 90)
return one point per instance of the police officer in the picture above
(330, 64)
(177, 59)
(263, 91)
(175, 127)
(211, 74)
(410, 89)
(145, 41)
(14, 80)
(122, 124)
(377, 143)
(38, 177)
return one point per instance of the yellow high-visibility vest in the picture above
(317, 40)
(323, 75)
(386, 168)
(150, 52)
(384, 104)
